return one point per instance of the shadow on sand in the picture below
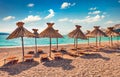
(64, 63)
(18, 68)
(110, 50)
(94, 56)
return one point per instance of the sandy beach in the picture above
(102, 63)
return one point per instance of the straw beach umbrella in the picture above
(20, 32)
(50, 33)
(97, 33)
(118, 31)
(110, 32)
(58, 35)
(77, 33)
(88, 35)
(36, 36)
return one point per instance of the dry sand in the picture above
(104, 63)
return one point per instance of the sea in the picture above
(44, 41)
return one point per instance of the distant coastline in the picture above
(3, 33)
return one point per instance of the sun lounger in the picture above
(54, 50)
(58, 55)
(44, 57)
(11, 60)
(73, 53)
(31, 52)
(40, 51)
(28, 58)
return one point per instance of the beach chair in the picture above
(31, 52)
(40, 51)
(44, 57)
(11, 60)
(73, 53)
(58, 55)
(29, 58)
(63, 51)
(54, 50)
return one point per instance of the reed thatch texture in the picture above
(49, 32)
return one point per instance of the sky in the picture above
(64, 13)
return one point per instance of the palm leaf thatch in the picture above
(77, 33)
(59, 35)
(50, 33)
(110, 32)
(97, 33)
(20, 32)
(36, 36)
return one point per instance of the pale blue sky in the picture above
(64, 13)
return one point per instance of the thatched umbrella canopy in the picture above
(20, 31)
(59, 35)
(36, 36)
(77, 33)
(88, 35)
(110, 32)
(97, 32)
(50, 33)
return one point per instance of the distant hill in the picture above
(117, 26)
(2, 33)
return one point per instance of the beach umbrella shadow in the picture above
(18, 68)
(64, 63)
(109, 51)
(94, 56)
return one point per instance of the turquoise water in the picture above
(42, 41)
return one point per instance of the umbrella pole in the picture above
(22, 47)
(36, 44)
(88, 40)
(96, 41)
(117, 39)
(111, 41)
(76, 43)
(50, 48)
(100, 41)
(57, 43)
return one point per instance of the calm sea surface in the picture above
(42, 41)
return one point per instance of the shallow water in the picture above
(44, 41)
